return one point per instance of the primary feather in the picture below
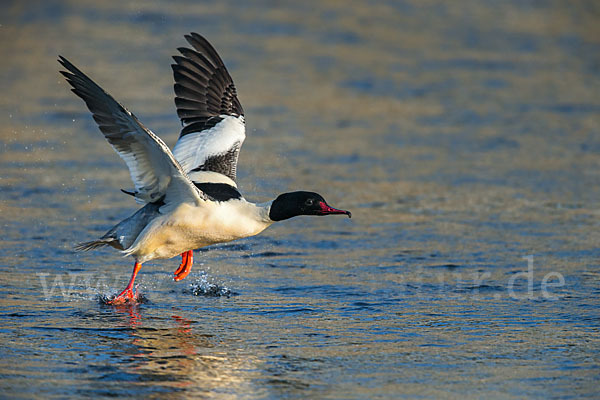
(156, 174)
(207, 104)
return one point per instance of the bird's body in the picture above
(190, 195)
(192, 227)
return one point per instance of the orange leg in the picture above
(127, 294)
(187, 259)
(184, 257)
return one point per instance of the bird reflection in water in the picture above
(172, 352)
(130, 313)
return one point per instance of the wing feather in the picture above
(153, 169)
(207, 104)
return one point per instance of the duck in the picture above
(189, 196)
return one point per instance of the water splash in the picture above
(202, 287)
(108, 299)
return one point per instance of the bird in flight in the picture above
(189, 195)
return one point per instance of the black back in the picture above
(218, 191)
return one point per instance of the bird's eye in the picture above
(309, 202)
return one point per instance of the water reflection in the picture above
(179, 357)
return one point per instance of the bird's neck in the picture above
(280, 209)
(263, 210)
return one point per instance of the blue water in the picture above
(463, 136)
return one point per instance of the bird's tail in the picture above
(94, 244)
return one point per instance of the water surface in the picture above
(464, 137)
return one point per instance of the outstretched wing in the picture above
(211, 114)
(153, 169)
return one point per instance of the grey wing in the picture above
(207, 104)
(153, 169)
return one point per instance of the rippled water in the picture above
(463, 136)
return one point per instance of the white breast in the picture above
(191, 227)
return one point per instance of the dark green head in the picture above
(288, 205)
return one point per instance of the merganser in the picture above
(190, 195)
